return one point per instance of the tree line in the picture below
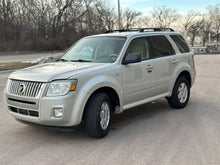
(54, 25)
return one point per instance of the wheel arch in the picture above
(114, 97)
(185, 72)
(187, 75)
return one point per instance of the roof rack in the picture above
(140, 30)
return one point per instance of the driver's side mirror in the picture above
(132, 58)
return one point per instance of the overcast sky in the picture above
(182, 6)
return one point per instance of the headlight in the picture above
(60, 88)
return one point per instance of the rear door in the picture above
(163, 55)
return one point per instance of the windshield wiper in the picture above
(64, 60)
(80, 60)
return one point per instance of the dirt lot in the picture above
(152, 133)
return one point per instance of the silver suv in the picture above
(101, 75)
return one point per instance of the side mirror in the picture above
(131, 58)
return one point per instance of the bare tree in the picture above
(205, 28)
(61, 19)
(214, 15)
(144, 21)
(56, 24)
(106, 14)
(163, 16)
(194, 30)
(7, 18)
(189, 18)
(130, 18)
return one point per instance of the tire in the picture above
(98, 115)
(181, 93)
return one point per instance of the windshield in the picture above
(95, 49)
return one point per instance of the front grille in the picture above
(24, 112)
(24, 88)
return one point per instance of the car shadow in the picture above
(143, 112)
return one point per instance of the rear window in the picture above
(161, 46)
(180, 43)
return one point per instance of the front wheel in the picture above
(98, 114)
(181, 93)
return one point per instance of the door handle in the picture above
(149, 67)
(174, 61)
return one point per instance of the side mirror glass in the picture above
(132, 58)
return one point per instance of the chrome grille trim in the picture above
(32, 89)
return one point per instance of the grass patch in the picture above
(13, 65)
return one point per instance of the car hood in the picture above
(52, 71)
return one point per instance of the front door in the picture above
(139, 79)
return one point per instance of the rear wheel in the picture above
(98, 114)
(181, 93)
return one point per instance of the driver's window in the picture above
(140, 45)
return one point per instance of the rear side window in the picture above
(180, 43)
(161, 46)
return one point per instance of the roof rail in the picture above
(121, 30)
(140, 30)
(155, 29)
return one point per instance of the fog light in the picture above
(58, 112)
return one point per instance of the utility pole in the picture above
(185, 33)
(119, 15)
(209, 38)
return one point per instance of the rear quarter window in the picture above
(180, 43)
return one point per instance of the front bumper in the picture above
(54, 128)
(40, 110)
